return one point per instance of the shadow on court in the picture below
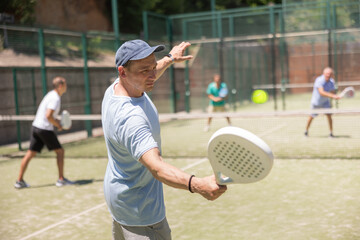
(77, 182)
(337, 136)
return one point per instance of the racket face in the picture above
(238, 156)
(348, 92)
(65, 120)
(223, 92)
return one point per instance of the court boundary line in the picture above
(271, 130)
(92, 209)
(62, 222)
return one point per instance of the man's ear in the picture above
(121, 70)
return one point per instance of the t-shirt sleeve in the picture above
(208, 90)
(135, 133)
(319, 82)
(53, 104)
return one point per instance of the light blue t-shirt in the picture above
(317, 100)
(131, 128)
(213, 90)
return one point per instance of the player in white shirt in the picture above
(42, 133)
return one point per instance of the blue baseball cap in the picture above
(134, 50)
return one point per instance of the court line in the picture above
(93, 208)
(194, 164)
(271, 130)
(62, 222)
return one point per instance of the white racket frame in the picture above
(254, 164)
(346, 90)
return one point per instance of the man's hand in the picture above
(178, 52)
(52, 120)
(207, 187)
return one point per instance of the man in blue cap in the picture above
(135, 172)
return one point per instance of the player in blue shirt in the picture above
(324, 89)
(135, 171)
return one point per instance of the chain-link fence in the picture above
(281, 48)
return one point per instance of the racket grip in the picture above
(222, 180)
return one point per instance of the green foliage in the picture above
(23, 10)
(130, 12)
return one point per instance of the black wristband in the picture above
(170, 56)
(190, 183)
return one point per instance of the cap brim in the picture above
(148, 52)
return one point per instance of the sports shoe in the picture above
(21, 184)
(65, 181)
(306, 134)
(331, 135)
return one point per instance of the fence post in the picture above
(115, 19)
(335, 40)
(328, 25)
(145, 25)
(282, 59)
(187, 80)
(42, 59)
(18, 129)
(171, 70)
(232, 87)
(87, 85)
(273, 53)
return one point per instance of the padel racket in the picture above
(65, 120)
(238, 156)
(348, 92)
(223, 92)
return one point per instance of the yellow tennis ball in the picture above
(259, 96)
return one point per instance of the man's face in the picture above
(141, 74)
(327, 74)
(217, 79)
(62, 88)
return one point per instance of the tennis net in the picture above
(184, 135)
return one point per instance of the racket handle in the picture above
(222, 180)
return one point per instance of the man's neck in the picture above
(122, 89)
(58, 92)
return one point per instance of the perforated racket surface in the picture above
(65, 120)
(238, 156)
(348, 92)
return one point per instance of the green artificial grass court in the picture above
(313, 191)
(300, 199)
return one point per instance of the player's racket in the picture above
(65, 120)
(238, 156)
(223, 92)
(348, 92)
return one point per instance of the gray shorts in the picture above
(158, 231)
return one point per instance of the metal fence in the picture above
(281, 48)
(284, 45)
